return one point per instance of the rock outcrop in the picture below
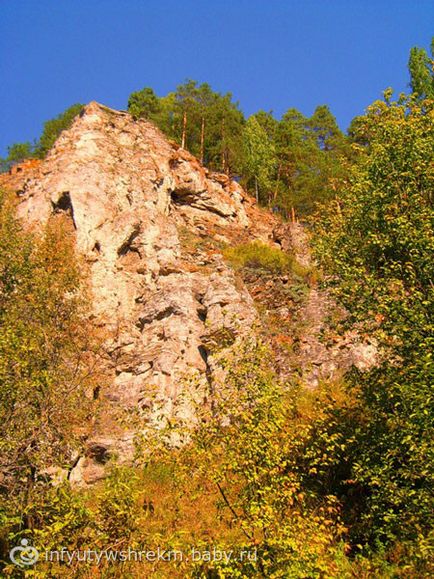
(150, 222)
(147, 216)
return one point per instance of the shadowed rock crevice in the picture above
(129, 245)
(64, 206)
(99, 453)
(197, 200)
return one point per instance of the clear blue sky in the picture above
(271, 54)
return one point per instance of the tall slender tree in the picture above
(259, 159)
(421, 68)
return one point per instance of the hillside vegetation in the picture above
(335, 481)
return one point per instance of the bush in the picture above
(379, 246)
(46, 346)
(259, 255)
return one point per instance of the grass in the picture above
(259, 255)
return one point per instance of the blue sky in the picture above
(271, 54)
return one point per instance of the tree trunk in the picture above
(202, 140)
(184, 129)
(256, 190)
(276, 189)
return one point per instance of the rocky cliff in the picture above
(150, 222)
(148, 219)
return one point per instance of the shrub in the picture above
(45, 359)
(259, 255)
(379, 246)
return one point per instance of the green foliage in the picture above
(19, 152)
(258, 255)
(54, 127)
(213, 125)
(119, 507)
(59, 518)
(57, 514)
(325, 128)
(379, 243)
(296, 162)
(45, 350)
(144, 104)
(261, 256)
(312, 157)
(421, 68)
(259, 158)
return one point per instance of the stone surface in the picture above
(140, 207)
(150, 222)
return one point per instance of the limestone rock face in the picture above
(150, 223)
(144, 211)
